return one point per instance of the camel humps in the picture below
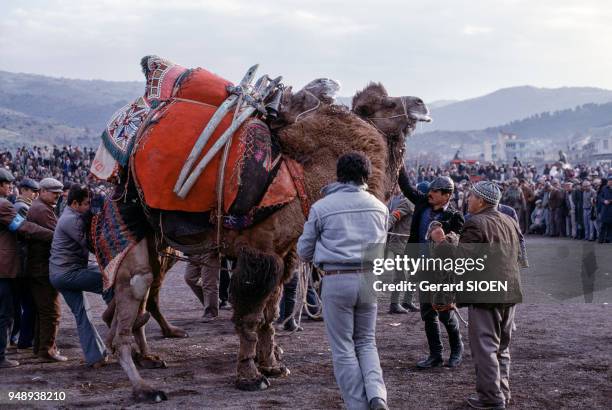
(314, 132)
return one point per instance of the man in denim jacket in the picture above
(338, 228)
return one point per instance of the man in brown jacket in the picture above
(490, 324)
(11, 225)
(45, 295)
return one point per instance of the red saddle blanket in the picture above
(253, 164)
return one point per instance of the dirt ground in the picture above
(560, 359)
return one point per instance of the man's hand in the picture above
(437, 235)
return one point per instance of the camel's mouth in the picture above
(418, 116)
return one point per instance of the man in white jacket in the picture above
(339, 227)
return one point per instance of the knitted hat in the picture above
(487, 190)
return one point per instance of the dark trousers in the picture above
(606, 233)
(48, 310)
(490, 333)
(6, 313)
(287, 303)
(224, 282)
(558, 222)
(25, 310)
(432, 319)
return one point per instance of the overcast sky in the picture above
(446, 49)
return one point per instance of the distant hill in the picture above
(510, 104)
(556, 126)
(17, 128)
(78, 103)
(440, 103)
(60, 110)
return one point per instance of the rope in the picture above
(311, 109)
(304, 273)
(461, 317)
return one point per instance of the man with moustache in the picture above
(45, 295)
(435, 206)
(490, 324)
(11, 225)
(24, 320)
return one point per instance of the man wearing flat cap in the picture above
(429, 207)
(490, 324)
(23, 321)
(11, 225)
(44, 294)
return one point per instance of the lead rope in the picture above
(304, 273)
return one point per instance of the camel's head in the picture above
(393, 116)
(306, 101)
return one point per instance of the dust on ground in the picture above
(560, 359)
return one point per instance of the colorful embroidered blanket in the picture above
(116, 229)
(120, 134)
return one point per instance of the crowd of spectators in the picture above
(67, 164)
(555, 200)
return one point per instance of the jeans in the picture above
(6, 313)
(350, 324)
(72, 286)
(588, 226)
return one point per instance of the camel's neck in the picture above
(395, 159)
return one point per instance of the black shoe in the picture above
(476, 403)
(456, 356)
(397, 309)
(225, 305)
(431, 361)
(411, 307)
(378, 404)
(454, 361)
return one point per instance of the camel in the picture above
(314, 132)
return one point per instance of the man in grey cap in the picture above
(23, 321)
(11, 225)
(428, 207)
(490, 328)
(44, 294)
(28, 191)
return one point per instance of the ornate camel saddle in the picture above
(155, 137)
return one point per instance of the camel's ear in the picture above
(325, 89)
(363, 110)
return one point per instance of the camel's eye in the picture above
(389, 104)
(420, 102)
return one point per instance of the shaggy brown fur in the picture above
(324, 137)
(317, 139)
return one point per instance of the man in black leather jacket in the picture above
(435, 206)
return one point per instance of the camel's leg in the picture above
(131, 286)
(144, 358)
(256, 277)
(268, 359)
(159, 272)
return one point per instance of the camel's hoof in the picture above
(175, 332)
(280, 371)
(261, 383)
(150, 395)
